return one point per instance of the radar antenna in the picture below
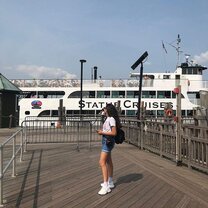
(187, 58)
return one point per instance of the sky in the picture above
(48, 38)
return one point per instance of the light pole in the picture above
(81, 80)
(134, 66)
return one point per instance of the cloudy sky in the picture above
(47, 38)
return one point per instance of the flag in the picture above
(163, 45)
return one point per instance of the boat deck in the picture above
(57, 175)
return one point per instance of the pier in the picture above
(59, 168)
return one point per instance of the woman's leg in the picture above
(110, 165)
(103, 165)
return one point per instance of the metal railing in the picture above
(6, 161)
(65, 130)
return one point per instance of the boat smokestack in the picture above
(95, 73)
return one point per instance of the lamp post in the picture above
(81, 80)
(134, 66)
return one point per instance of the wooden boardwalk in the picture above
(56, 175)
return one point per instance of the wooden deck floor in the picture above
(56, 175)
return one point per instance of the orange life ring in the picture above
(169, 112)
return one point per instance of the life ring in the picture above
(169, 112)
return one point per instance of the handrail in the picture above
(12, 159)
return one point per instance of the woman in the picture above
(108, 132)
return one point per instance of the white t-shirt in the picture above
(109, 123)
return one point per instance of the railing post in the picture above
(128, 131)
(189, 152)
(142, 134)
(25, 139)
(90, 136)
(178, 127)
(78, 138)
(14, 158)
(21, 146)
(1, 176)
(161, 140)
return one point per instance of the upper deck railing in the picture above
(189, 84)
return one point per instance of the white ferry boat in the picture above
(41, 98)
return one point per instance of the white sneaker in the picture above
(104, 191)
(110, 185)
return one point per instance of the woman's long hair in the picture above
(112, 112)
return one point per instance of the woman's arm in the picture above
(113, 132)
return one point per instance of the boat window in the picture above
(118, 94)
(173, 95)
(200, 71)
(85, 94)
(51, 94)
(54, 113)
(148, 76)
(27, 112)
(183, 113)
(132, 94)
(150, 113)
(189, 71)
(131, 112)
(77, 112)
(166, 76)
(75, 94)
(44, 113)
(189, 112)
(27, 94)
(72, 112)
(103, 94)
(195, 71)
(193, 95)
(148, 94)
(163, 94)
(183, 70)
(88, 112)
(88, 94)
(91, 94)
(160, 112)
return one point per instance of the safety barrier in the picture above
(7, 160)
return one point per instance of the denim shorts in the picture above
(107, 143)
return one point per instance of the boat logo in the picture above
(36, 104)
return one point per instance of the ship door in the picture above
(177, 80)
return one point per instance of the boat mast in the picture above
(177, 47)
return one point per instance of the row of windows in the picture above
(100, 94)
(191, 71)
(54, 113)
(43, 94)
(124, 94)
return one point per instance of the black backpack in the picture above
(120, 137)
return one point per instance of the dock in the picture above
(57, 175)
